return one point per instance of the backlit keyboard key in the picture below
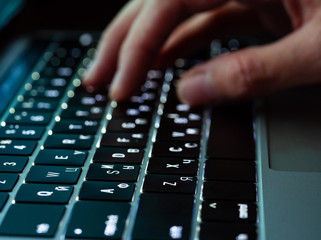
(97, 220)
(32, 220)
(17, 147)
(44, 193)
(169, 184)
(113, 172)
(68, 141)
(53, 174)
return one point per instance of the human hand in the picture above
(154, 32)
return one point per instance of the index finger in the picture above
(148, 33)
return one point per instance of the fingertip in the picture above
(196, 90)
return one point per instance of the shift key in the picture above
(168, 215)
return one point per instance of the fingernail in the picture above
(197, 90)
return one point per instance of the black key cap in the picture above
(134, 110)
(3, 199)
(17, 147)
(163, 216)
(61, 157)
(119, 155)
(229, 191)
(53, 174)
(44, 193)
(231, 134)
(113, 172)
(97, 100)
(177, 166)
(174, 134)
(176, 150)
(29, 117)
(21, 132)
(230, 170)
(169, 184)
(227, 231)
(32, 220)
(132, 140)
(40, 92)
(51, 82)
(30, 104)
(68, 141)
(8, 181)
(181, 108)
(192, 120)
(228, 211)
(128, 125)
(85, 113)
(107, 191)
(12, 164)
(76, 127)
(98, 220)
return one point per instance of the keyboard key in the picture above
(53, 174)
(113, 172)
(44, 193)
(174, 134)
(41, 92)
(61, 157)
(29, 117)
(8, 181)
(21, 132)
(127, 140)
(231, 134)
(227, 231)
(96, 100)
(119, 155)
(176, 150)
(230, 170)
(128, 125)
(176, 166)
(30, 104)
(228, 211)
(107, 191)
(76, 127)
(98, 220)
(133, 110)
(12, 164)
(32, 220)
(169, 184)
(186, 119)
(85, 113)
(17, 147)
(68, 141)
(166, 215)
(237, 191)
(3, 199)
(51, 82)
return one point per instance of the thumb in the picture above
(255, 72)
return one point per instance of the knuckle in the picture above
(248, 74)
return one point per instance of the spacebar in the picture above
(168, 215)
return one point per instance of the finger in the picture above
(257, 71)
(148, 33)
(200, 30)
(103, 68)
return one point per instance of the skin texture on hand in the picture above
(149, 33)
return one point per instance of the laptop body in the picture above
(285, 129)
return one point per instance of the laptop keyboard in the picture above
(75, 165)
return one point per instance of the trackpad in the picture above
(294, 130)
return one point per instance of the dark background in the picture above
(64, 14)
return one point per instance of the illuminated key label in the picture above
(175, 232)
(111, 225)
